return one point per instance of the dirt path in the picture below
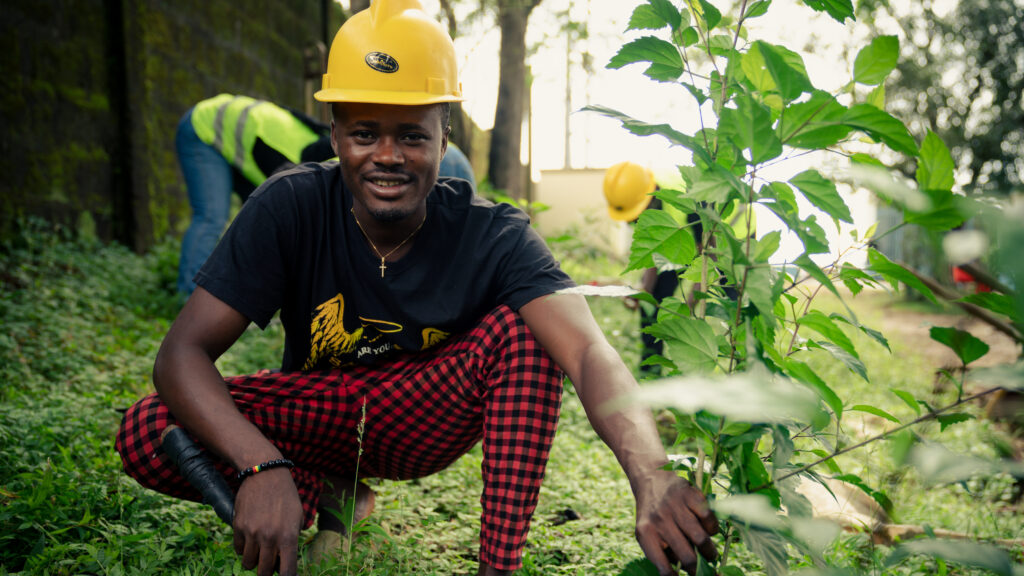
(910, 327)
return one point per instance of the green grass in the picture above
(81, 325)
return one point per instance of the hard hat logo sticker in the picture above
(381, 62)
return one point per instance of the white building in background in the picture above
(576, 206)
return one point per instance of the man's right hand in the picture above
(268, 518)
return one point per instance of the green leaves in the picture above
(706, 11)
(947, 420)
(657, 232)
(716, 185)
(935, 166)
(854, 278)
(639, 567)
(875, 411)
(876, 495)
(805, 374)
(666, 63)
(876, 60)
(655, 15)
(967, 347)
(807, 265)
(692, 344)
(822, 194)
(766, 532)
(783, 204)
(758, 8)
(882, 127)
(993, 302)
(749, 125)
(785, 69)
(826, 327)
(839, 10)
(895, 273)
(766, 106)
(641, 128)
(814, 124)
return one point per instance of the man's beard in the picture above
(390, 214)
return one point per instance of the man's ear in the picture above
(444, 140)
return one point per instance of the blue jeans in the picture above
(208, 179)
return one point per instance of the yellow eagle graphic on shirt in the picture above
(328, 337)
(330, 341)
(433, 336)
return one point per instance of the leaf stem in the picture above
(725, 549)
(796, 321)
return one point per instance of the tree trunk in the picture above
(505, 171)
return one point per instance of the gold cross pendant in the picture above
(383, 267)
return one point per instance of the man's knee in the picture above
(138, 442)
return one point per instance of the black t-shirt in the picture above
(295, 247)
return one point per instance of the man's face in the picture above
(389, 156)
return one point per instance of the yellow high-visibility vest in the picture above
(231, 124)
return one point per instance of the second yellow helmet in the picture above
(391, 53)
(627, 188)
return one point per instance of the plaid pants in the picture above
(423, 411)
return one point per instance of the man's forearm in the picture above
(605, 387)
(194, 391)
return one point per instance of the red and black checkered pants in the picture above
(423, 411)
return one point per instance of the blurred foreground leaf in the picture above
(967, 553)
(607, 291)
(939, 465)
(748, 396)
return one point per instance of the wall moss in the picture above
(91, 92)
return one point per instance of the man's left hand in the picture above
(672, 521)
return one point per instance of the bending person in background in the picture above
(234, 143)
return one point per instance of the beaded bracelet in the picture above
(279, 463)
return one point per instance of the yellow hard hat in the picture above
(627, 188)
(391, 53)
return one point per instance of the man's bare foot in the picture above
(332, 501)
(330, 540)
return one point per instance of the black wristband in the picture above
(279, 463)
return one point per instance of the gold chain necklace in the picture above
(383, 257)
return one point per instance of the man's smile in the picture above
(387, 186)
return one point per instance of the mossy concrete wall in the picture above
(91, 92)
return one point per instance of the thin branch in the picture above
(693, 81)
(780, 160)
(807, 308)
(973, 310)
(975, 269)
(746, 271)
(929, 416)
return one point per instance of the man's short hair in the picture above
(446, 113)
